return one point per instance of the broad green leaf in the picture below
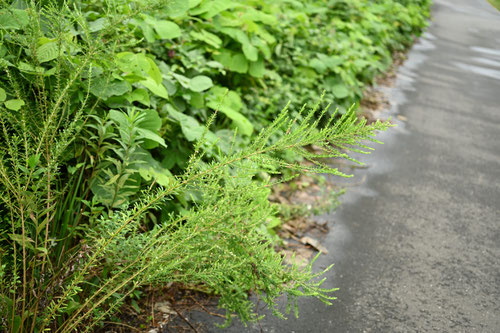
(250, 51)
(150, 135)
(14, 104)
(98, 24)
(200, 83)
(257, 15)
(47, 52)
(167, 29)
(112, 180)
(361, 63)
(73, 169)
(16, 325)
(147, 128)
(210, 8)
(155, 88)
(3, 95)
(171, 86)
(244, 125)
(104, 90)
(151, 121)
(257, 68)
(225, 97)
(176, 8)
(229, 19)
(266, 36)
(130, 62)
(224, 58)
(151, 169)
(50, 72)
(27, 68)
(340, 91)
(207, 37)
(306, 72)
(13, 19)
(239, 63)
(147, 30)
(190, 127)
(119, 118)
(138, 67)
(4, 63)
(139, 95)
(262, 46)
(197, 100)
(184, 81)
(215, 64)
(193, 3)
(229, 103)
(154, 72)
(318, 65)
(129, 184)
(332, 62)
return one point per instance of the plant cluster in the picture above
(138, 140)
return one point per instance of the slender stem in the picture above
(24, 269)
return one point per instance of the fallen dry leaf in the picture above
(314, 243)
(165, 307)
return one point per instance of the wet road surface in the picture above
(417, 246)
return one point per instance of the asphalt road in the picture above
(417, 247)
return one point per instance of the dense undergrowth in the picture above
(139, 141)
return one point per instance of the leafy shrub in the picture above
(136, 146)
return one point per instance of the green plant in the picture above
(125, 161)
(495, 3)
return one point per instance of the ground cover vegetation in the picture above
(495, 3)
(140, 139)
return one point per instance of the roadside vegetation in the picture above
(495, 3)
(139, 141)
